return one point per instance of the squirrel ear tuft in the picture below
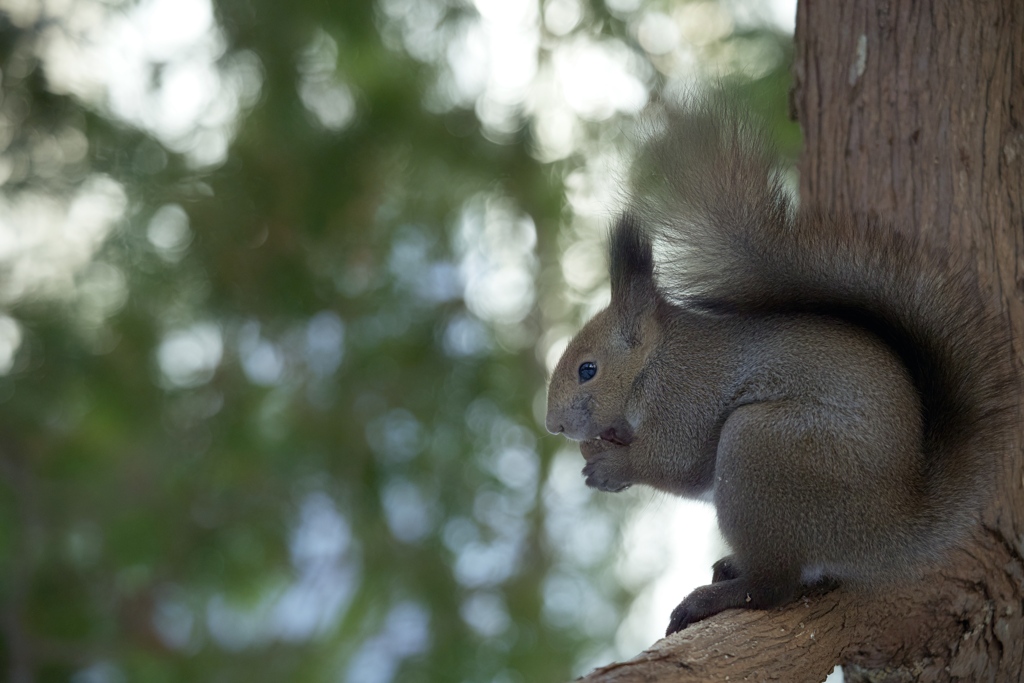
(631, 262)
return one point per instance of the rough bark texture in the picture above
(912, 112)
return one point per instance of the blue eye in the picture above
(587, 371)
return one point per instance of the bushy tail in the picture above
(729, 239)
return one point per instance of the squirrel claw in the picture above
(680, 619)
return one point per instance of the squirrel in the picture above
(840, 391)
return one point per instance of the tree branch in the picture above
(801, 642)
(955, 623)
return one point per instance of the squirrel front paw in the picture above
(605, 471)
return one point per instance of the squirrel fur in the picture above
(841, 392)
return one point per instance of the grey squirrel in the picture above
(840, 392)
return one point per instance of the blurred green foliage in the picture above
(259, 434)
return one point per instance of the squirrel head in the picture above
(595, 377)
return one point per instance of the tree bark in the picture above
(913, 113)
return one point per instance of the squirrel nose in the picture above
(552, 425)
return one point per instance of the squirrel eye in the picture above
(587, 371)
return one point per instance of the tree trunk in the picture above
(912, 112)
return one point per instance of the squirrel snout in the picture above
(553, 425)
(554, 421)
